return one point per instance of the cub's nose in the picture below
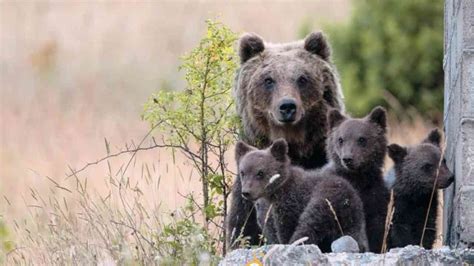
(348, 161)
(245, 195)
(451, 178)
(287, 110)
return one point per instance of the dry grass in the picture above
(388, 222)
(75, 74)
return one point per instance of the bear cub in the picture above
(415, 170)
(356, 149)
(300, 201)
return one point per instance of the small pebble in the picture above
(345, 244)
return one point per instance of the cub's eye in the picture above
(241, 173)
(340, 141)
(269, 82)
(260, 174)
(362, 141)
(427, 167)
(302, 81)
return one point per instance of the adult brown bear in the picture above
(282, 91)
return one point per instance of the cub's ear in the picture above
(397, 152)
(335, 118)
(250, 45)
(378, 115)
(317, 44)
(434, 137)
(242, 148)
(279, 149)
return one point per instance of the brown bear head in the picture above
(284, 89)
(357, 145)
(416, 167)
(261, 171)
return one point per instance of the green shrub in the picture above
(390, 52)
(200, 121)
(5, 242)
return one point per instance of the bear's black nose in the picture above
(451, 179)
(287, 110)
(348, 161)
(245, 195)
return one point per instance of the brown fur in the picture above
(270, 74)
(285, 64)
(300, 198)
(357, 149)
(415, 173)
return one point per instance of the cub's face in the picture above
(418, 166)
(259, 170)
(357, 144)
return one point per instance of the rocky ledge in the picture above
(311, 255)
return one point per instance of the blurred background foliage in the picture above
(391, 53)
(6, 245)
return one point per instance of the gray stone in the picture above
(311, 255)
(277, 255)
(466, 219)
(458, 64)
(345, 244)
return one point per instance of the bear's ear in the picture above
(397, 152)
(378, 115)
(242, 148)
(317, 44)
(434, 137)
(250, 44)
(335, 118)
(279, 149)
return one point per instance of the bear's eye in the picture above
(269, 82)
(427, 167)
(241, 173)
(362, 141)
(302, 81)
(340, 141)
(260, 174)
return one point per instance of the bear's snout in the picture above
(446, 177)
(249, 191)
(287, 110)
(348, 162)
(246, 195)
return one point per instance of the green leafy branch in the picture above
(200, 121)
